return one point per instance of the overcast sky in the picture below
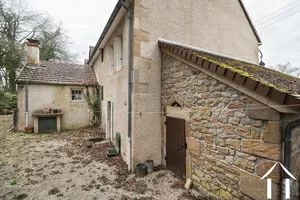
(280, 34)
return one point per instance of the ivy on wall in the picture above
(93, 98)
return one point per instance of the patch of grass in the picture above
(20, 197)
(13, 181)
(2, 163)
(141, 190)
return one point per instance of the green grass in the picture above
(141, 190)
(13, 181)
(3, 162)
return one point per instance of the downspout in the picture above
(26, 104)
(288, 144)
(129, 87)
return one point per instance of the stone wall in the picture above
(233, 139)
(295, 167)
(190, 22)
(5, 122)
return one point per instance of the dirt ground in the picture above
(67, 166)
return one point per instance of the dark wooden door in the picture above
(47, 124)
(176, 146)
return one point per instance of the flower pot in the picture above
(29, 129)
(141, 170)
(149, 164)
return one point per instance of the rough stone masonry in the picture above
(233, 139)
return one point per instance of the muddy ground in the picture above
(66, 166)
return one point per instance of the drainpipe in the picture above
(129, 87)
(26, 104)
(288, 144)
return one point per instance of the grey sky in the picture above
(85, 20)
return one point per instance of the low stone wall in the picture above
(233, 139)
(5, 122)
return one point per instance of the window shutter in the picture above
(101, 92)
(118, 53)
(110, 60)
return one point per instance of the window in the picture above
(118, 53)
(76, 94)
(114, 55)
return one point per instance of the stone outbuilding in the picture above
(237, 118)
(56, 87)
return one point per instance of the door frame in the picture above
(109, 118)
(181, 113)
(176, 146)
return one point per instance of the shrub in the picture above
(8, 102)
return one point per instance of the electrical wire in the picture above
(275, 11)
(263, 12)
(259, 24)
(263, 27)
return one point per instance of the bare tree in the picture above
(18, 23)
(53, 46)
(287, 69)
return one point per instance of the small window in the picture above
(76, 95)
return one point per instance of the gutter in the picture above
(57, 84)
(26, 105)
(96, 50)
(129, 87)
(288, 144)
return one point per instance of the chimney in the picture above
(33, 52)
(91, 49)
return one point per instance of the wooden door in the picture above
(176, 146)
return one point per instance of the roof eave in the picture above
(273, 97)
(106, 28)
(60, 84)
(250, 22)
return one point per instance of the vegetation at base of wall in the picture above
(94, 102)
(8, 102)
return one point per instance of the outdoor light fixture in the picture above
(261, 63)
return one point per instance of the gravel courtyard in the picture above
(66, 166)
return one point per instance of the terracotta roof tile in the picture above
(58, 74)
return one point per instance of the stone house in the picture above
(200, 105)
(129, 41)
(55, 86)
(239, 119)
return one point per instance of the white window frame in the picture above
(81, 94)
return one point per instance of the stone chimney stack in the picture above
(33, 52)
